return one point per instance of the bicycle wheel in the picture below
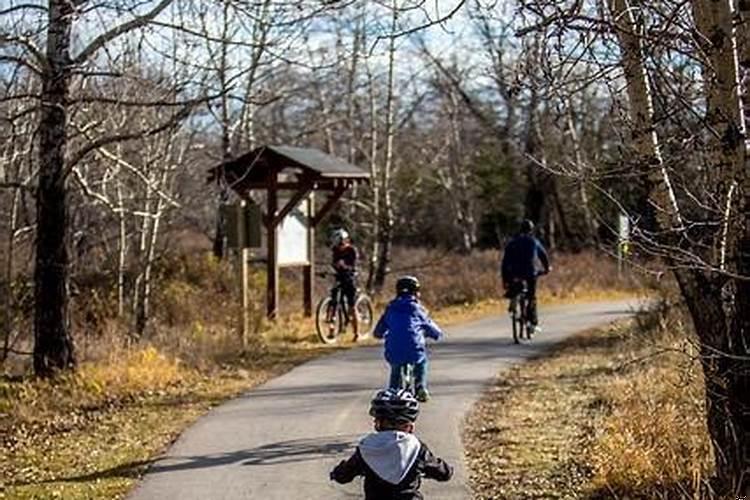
(514, 320)
(364, 311)
(523, 327)
(328, 321)
(527, 328)
(407, 377)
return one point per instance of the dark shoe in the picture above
(422, 395)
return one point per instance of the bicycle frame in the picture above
(518, 312)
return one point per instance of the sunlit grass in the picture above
(615, 413)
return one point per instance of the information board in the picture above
(293, 236)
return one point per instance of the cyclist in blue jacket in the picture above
(404, 326)
(520, 265)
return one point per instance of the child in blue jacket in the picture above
(404, 326)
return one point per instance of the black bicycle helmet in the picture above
(527, 226)
(407, 284)
(394, 406)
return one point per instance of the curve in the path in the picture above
(280, 440)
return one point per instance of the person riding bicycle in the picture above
(344, 262)
(404, 326)
(392, 459)
(519, 267)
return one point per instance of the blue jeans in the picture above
(420, 376)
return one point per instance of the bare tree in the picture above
(698, 201)
(385, 229)
(56, 66)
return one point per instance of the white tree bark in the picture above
(644, 137)
(385, 234)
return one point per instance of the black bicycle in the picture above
(332, 315)
(408, 380)
(518, 307)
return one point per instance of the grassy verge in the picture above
(91, 436)
(614, 413)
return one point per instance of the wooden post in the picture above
(272, 264)
(309, 270)
(242, 267)
(245, 256)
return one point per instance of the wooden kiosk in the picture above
(293, 175)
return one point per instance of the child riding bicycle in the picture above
(344, 262)
(404, 326)
(392, 459)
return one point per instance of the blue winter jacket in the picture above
(404, 325)
(519, 258)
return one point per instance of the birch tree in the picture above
(58, 63)
(699, 200)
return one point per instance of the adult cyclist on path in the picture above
(519, 265)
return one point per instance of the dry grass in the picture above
(458, 280)
(655, 439)
(615, 413)
(91, 435)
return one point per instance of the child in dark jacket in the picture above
(404, 326)
(392, 459)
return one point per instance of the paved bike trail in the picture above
(280, 440)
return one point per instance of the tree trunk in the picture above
(643, 132)
(561, 219)
(374, 248)
(591, 235)
(53, 346)
(385, 235)
(724, 340)
(6, 289)
(220, 234)
(534, 200)
(459, 171)
(122, 252)
(728, 416)
(226, 136)
(726, 344)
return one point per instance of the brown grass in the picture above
(91, 434)
(615, 413)
(457, 280)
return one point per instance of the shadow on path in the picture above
(296, 450)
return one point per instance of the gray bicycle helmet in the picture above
(337, 236)
(407, 284)
(395, 406)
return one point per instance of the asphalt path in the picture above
(281, 439)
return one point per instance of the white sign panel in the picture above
(624, 228)
(293, 244)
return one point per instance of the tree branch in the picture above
(15, 185)
(21, 62)
(27, 44)
(103, 141)
(135, 23)
(22, 6)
